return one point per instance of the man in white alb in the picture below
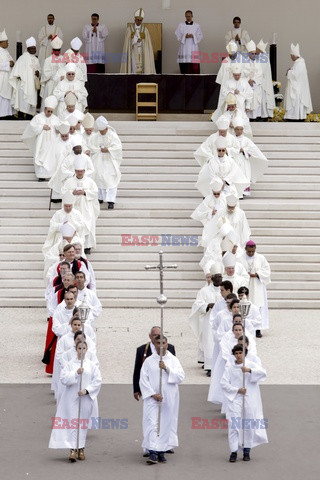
(189, 35)
(46, 34)
(94, 35)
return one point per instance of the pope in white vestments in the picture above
(46, 35)
(85, 191)
(172, 376)
(6, 64)
(25, 80)
(106, 149)
(297, 99)
(39, 136)
(189, 35)
(137, 55)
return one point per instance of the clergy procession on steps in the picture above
(81, 158)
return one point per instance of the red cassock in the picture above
(50, 335)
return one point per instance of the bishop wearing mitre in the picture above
(137, 55)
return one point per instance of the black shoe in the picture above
(233, 457)
(145, 455)
(208, 373)
(153, 458)
(100, 201)
(110, 205)
(200, 362)
(41, 179)
(246, 454)
(161, 458)
(87, 251)
(258, 334)
(170, 451)
(56, 200)
(202, 367)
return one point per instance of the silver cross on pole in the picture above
(162, 300)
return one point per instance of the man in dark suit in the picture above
(143, 352)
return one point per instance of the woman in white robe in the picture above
(67, 411)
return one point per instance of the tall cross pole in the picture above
(162, 300)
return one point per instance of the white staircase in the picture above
(155, 197)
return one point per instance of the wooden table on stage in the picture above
(177, 93)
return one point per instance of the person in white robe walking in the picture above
(39, 136)
(268, 99)
(189, 35)
(252, 423)
(50, 67)
(106, 150)
(85, 191)
(6, 65)
(25, 81)
(69, 84)
(259, 272)
(46, 35)
(172, 376)
(69, 403)
(297, 98)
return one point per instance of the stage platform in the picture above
(177, 93)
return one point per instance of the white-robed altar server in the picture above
(6, 65)
(85, 191)
(50, 68)
(189, 35)
(69, 84)
(263, 58)
(137, 55)
(238, 35)
(172, 376)
(259, 272)
(69, 404)
(206, 298)
(45, 37)
(94, 35)
(91, 296)
(297, 99)
(252, 162)
(234, 394)
(66, 225)
(25, 80)
(106, 150)
(40, 135)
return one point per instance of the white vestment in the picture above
(40, 141)
(297, 99)
(45, 49)
(65, 170)
(69, 403)
(81, 67)
(245, 95)
(188, 45)
(227, 342)
(232, 116)
(54, 238)
(5, 87)
(94, 43)
(239, 222)
(149, 385)
(199, 321)
(48, 81)
(251, 160)
(267, 85)
(258, 107)
(137, 56)
(22, 79)
(242, 34)
(254, 425)
(208, 149)
(107, 173)
(92, 300)
(257, 286)
(65, 86)
(87, 204)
